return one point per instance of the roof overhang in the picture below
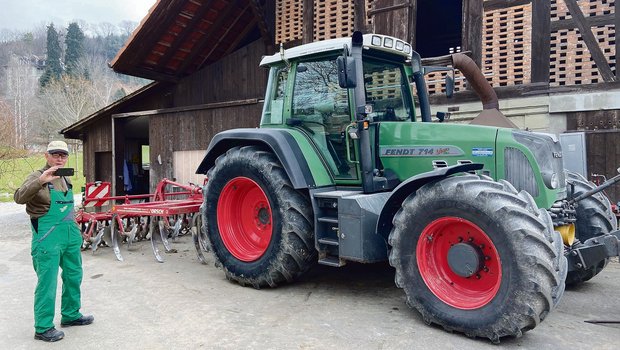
(77, 129)
(179, 37)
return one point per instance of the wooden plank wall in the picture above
(192, 130)
(98, 139)
(602, 130)
(603, 154)
(236, 77)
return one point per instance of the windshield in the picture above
(387, 91)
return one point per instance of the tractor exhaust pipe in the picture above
(476, 80)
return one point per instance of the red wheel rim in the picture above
(432, 257)
(244, 219)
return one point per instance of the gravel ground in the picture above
(181, 304)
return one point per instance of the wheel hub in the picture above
(263, 215)
(465, 259)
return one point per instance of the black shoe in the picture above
(50, 335)
(82, 321)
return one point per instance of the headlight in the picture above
(551, 180)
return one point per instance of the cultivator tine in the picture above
(131, 235)
(155, 238)
(198, 238)
(163, 233)
(101, 232)
(115, 247)
(177, 227)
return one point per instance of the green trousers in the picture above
(56, 242)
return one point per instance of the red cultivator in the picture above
(165, 215)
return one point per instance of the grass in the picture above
(14, 171)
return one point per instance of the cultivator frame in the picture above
(166, 214)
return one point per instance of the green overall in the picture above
(56, 242)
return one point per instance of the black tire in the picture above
(290, 249)
(594, 218)
(530, 283)
(560, 263)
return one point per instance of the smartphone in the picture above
(64, 172)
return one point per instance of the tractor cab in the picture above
(308, 92)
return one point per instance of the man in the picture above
(56, 241)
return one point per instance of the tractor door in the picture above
(320, 109)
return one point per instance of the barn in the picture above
(551, 62)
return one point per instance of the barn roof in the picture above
(179, 37)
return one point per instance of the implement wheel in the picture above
(594, 218)
(474, 257)
(258, 226)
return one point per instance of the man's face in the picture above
(56, 159)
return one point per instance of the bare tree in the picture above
(127, 27)
(105, 29)
(20, 86)
(68, 99)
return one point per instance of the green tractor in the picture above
(474, 219)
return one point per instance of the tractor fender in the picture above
(411, 185)
(280, 142)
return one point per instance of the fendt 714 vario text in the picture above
(481, 224)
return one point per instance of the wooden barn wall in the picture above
(192, 130)
(602, 130)
(235, 77)
(98, 139)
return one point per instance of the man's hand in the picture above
(48, 175)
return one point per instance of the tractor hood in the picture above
(408, 149)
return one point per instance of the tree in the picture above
(19, 87)
(68, 99)
(75, 48)
(53, 68)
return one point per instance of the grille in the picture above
(519, 172)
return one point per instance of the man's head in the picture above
(57, 153)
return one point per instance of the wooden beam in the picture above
(140, 71)
(413, 21)
(198, 49)
(154, 29)
(389, 8)
(221, 38)
(184, 34)
(359, 15)
(617, 25)
(541, 40)
(602, 20)
(471, 34)
(308, 22)
(490, 5)
(250, 101)
(259, 13)
(591, 42)
(249, 26)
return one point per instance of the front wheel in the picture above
(258, 226)
(474, 257)
(594, 218)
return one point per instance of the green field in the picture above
(14, 171)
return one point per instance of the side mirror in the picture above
(449, 86)
(346, 72)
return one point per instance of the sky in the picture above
(18, 15)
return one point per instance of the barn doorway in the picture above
(131, 153)
(438, 27)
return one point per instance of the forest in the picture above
(53, 76)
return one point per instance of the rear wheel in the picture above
(594, 218)
(258, 226)
(473, 257)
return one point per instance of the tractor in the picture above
(477, 221)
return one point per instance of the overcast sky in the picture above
(27, 14)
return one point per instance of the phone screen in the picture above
(64, 172)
